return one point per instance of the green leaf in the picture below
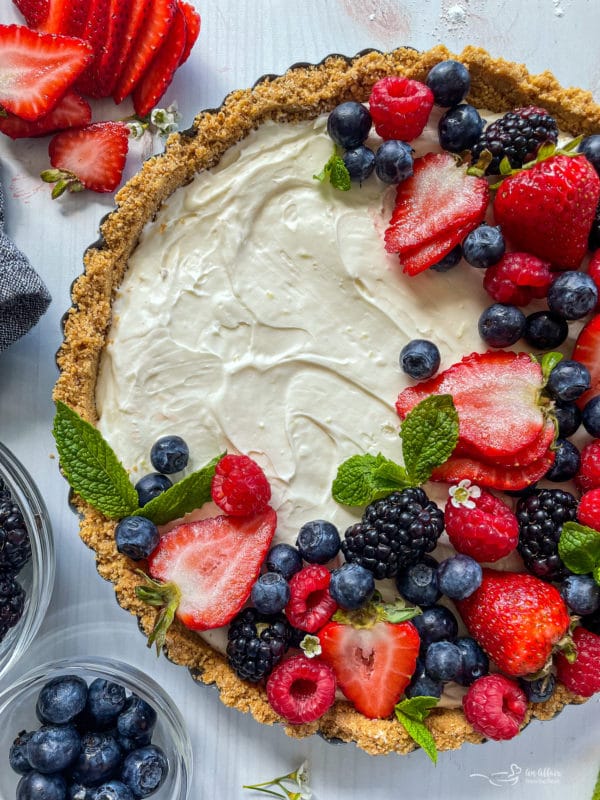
(596, 792)
(579, 548)
(429, 436)
(548, 362)
(91, 466)
(364, 478)
(186, 495)
(399, 611)
(596, 574)
(411, 713)
(336, 172)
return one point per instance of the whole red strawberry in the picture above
(583, 675)
(516, 618)
(479, 524)
(587, 351)
(548, 209)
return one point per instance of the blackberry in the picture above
(256, 643)
(394, 533)
(541, 516)
(518, 135)
(12, 603)
(15, 547)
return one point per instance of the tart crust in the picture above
(303, 92)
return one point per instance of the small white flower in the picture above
(311, 647)
(136, 129)
(464, 494)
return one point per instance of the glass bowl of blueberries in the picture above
(27, 560)
(91, 729)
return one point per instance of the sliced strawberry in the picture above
(522, 458)
(192, 28)
(499, 477)
(152, 33)
(72, 111)
(373, 666)
(587, 351)
(108, 64)
(428, 254)
(138, 10)
(213, 563)
(88, 158)
(36, 69)
(56, 20)
(158, 75)
(496, 396)
(95, 32)
(34, 11)
(77, 18)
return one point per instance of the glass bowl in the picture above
(17, 712)
(37, 576)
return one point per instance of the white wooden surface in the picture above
(241, 41)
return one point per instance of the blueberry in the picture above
(590, 147)
(360, 162)
(349, 124)
(484, 246)
(573, 295)
(443, 661)
(77, 791)
(449, 261)
(449, 81)
(53, 748)
(99, 759)
(474, 662)
(421, 685)
(419, 584)
(318, 541)
(568, 417)
(271, 593)
(545, 330)
(17, 756)
(127, 743)
(150, 486)
(136, 537)
(420, 359)
(169, 454)
(138, 718)
(393, 161)
(105, 702)
(568, 380)
(460, 128)
(144, 770)
(540, 689)
(435, 624)
(36, 786)
(591, 417)
(285, 559)
(501, 325)
(351, 586)
(581, 593)
(113, 790)
(459, 576)
(566, 462)
(61, 700)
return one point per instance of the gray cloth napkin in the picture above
(23, 296)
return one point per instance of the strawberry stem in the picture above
(63, 181)
(167, 596)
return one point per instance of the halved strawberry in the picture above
(426, 255)
(493, 476)
(36, 69)
(522, 458)
(72, 111)
(206, 570)
(587, 351)
(159, 73)
(34, 11)
(192, 28)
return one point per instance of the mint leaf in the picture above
(336, 172)
(364, 478)
(429, 435)
(411, 713)
(547, 362)
(90, 465)
(579, 548)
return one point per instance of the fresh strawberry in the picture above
(493, 476)
(301, 690)
(431, 205)
(88, 158)
(203, 572)
(72, 111)
(521, 458)
(153, 31)
(159, 73)
(373, 665)
(310, 605)
(495, 706)
(582, 676)
(480, 525)
(192, 28)
(138, 10)
(57, 16)
(548, 209)
(36, 69)
(587, 351)
(34, 11)
(77, 17)
(517, 619)
(109, 63)
(594, 271)
(426, 255)
(95, 32)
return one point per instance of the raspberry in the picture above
(588, 511)
(239, 486)
(310, 605)
(255, 643)
(588, 476)
(301, 690)
(541, 515)
(495, 706)
(400, 108)
(583, 675)
(517, 279)
(487, 532)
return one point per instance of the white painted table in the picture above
(241, 41)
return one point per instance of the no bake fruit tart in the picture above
(332, 353)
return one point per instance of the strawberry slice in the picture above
(95, 32)
(108, 64)
(522, 458)
(72, 111)
(496, 395)
(500, 477)
(587, 350)
(36, 69)
(138, 10)
(58, 13)
(158, 75)
(34, 11)
(192, 28)
(428, 254)
(373, 666)
(207, 569)
(152, 33)
(77, 18)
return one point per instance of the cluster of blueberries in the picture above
(95, 743)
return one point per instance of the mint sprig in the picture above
(579, 548)
(336, 172)
(411, 714)
(364, 478)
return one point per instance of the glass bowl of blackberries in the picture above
(91, 729)
(26, 560)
